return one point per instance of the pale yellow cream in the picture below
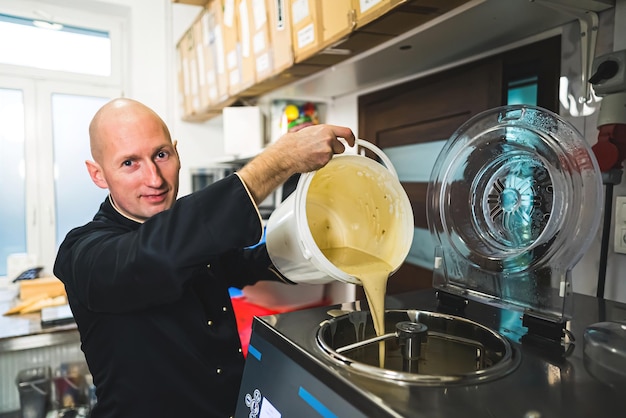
(354, 215)
(373, 274)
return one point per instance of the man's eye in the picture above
(127, 163)
(162, 154)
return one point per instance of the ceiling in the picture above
(477, 28)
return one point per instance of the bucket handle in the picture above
(379, 153)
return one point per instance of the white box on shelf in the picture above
(244, 130)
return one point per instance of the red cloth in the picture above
(246, 311)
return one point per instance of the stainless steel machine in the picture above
(513, 203)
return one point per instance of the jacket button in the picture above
(209, 322)
(218, 371)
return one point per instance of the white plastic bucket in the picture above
(360, 201)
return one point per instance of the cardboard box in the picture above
(183, 76)
(260, 42)
(271, 38)
(337, 20)
(190, 53)
(181, 82)
(207, 76)
(238, 31)
(220, 38)
(317, 24)
(280, 34)
(188, 73)
(216, 87)
(246, 30)
(304, 31)
(227, 26)
(366, 11)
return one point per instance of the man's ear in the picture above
(175, 142)
(95, 172)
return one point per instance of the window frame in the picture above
(114, 22)
(40, 205)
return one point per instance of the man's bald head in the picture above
(134, 157)
(111, 119)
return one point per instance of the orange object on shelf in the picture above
(50, 286)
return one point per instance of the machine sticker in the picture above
(260, 407)
(268, 410)
(254, 403)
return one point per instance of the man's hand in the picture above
(306, 150)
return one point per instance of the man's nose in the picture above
(153, 175)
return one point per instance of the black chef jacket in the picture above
(152, 305)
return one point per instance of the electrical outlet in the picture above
(620, 225)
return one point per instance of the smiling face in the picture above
(134, 158)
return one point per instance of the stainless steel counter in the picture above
(25, 344)
(22, 332)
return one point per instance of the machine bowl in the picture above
(420, 348)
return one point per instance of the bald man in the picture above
(147, 279)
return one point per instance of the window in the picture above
(54, 46)
(83, 43)
(53, 77)
(76, 197)
(12, 175)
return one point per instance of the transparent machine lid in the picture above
(514, 201)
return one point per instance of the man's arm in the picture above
(298, 152)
